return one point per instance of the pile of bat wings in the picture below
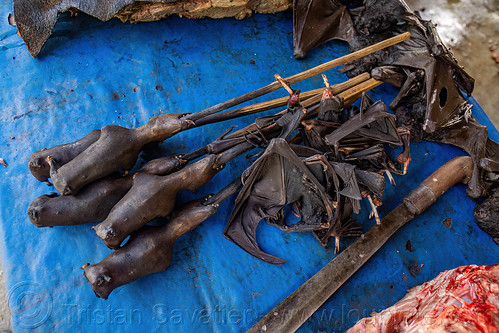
(317, 159)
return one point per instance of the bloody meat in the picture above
(465, 299)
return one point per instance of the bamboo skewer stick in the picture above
(269, 105)
(299, 77)
(354, 93)
(326, 81)
(349, 96)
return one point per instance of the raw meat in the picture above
(465, 299)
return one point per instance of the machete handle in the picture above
(457, 170)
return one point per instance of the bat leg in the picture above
(390, 177)
(411, 83)
(374, 210)
(279, 221)
(405, 156)
(405, 161)
(347, 228)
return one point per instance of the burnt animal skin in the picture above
(433, 77)
(36, 19)
(487, 216)
(61, 154)
(151, 197)
(163, 165)
(116, 149)
(472, 138)
(92, 204)
(148, 251)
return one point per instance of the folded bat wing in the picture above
(316, 22)
(277, 178)
(375, 123)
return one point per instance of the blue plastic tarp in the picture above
(91, 74)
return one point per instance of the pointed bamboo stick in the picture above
(269, 105)
(300, 76)
(349, 96)
(354, 93)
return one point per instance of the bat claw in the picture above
(217, 166)
(404, 160)
(374, 210)
(227, 131)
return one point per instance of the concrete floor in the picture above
(470, 28)
(4, 307)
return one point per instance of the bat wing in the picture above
(375, 123)
(346, 172)
(318, 21)
(276, 179)
(373, 158)
(287, 122)
(373, 181)
(472, 138)
(290, 121)
(443, 77)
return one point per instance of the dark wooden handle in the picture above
(457, 170)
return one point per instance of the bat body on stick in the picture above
(61, 154)
(92, 204)
(151, 197)
(117, 148)
(95, 200)
(148, 250)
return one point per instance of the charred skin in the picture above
(62, 154)
(148, 251)
(116, 149)
(151, 197)
(92, 204)
(487, 216)
(163, 165)
(472, 138)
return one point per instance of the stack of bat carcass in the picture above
(319, 158)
